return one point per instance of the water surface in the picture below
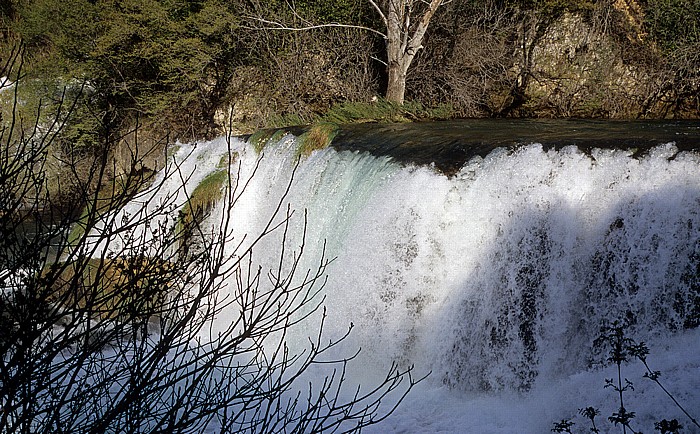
(448, 145)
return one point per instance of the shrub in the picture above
(673, 23)
(84, 353)
(621, 350)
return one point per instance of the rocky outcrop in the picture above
(577, 71)
(603, 66)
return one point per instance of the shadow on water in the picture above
(450, 144)
(549, 280)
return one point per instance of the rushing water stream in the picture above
(490, 253)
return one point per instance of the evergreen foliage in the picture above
(673, 23)
(152, 58)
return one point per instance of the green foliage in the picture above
(226, 160)
(165, 55)
(673, 23)
(160, 58)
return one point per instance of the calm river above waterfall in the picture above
(450, 144)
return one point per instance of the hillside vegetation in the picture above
(197, 68)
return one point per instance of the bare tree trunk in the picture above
(396, 85)
(403, 37)
(403, 40)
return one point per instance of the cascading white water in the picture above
(498, 278)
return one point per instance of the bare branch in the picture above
(274, 25)
(119, 330)
(379, 11)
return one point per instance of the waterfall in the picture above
(498, 277)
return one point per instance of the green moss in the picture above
(202, 199)
(208, 192)
(199, 205)
(226, 160)
(319, 136)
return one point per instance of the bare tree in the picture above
(405, 24)
(468, 63)
(114, 328)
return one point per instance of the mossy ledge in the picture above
(325, 127)
(203, 198)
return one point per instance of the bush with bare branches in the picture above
(116, 330)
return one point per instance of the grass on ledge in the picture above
(203, 198)
(319, 136)
(383, 111)
(321, 132)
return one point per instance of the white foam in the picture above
(496, 279)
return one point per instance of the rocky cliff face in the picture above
(578, 71)
(602, 66)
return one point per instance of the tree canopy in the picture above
(138, 57)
